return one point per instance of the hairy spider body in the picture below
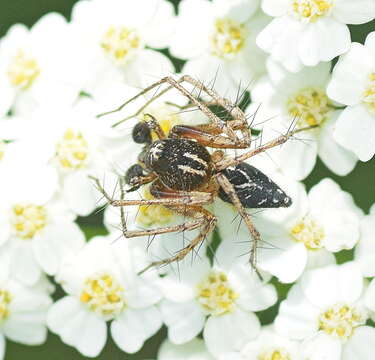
(180, 164)
(253, 188)
(185, 177)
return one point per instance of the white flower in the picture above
(268, 346)
(303, 235)
(325, 310)
(38, 227)
(102, 285)
(365, 249)
(353, 84)
(70, 141)
(218, 39)
(305, 32)
(218, 300)
(35, 66)
(286, 98)
(22, 309)
(113, 40)
(193, 350)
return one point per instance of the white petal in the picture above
(184, 320)
(333, 284)
(80, 193)
(370, 296)
(238, 10)
(2, 346)
(365, 250)
(285, 259)
(297, 156)
(142, 294)
(157, 32)
(370, 43)
(188, 41)
(358, 12)
(23, 264)
(360, 344)
(240, 327)
(57, 242)
(322, 41)
(297, 318)
(355, 130)
(193, 350)
(212, 70)
(349, 75)
(322, 347)
(27, 328)
(77, 327)
(134, 326)
(149, 66)
(254, 295)
(280, 38)
(275, 7)
(338, 159)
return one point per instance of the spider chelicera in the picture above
(185, 177)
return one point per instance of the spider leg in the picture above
(180, 198)
(209, 221)
(233, 110)
(229, 189)
(224, 163)
(208, 135)
(191, 225)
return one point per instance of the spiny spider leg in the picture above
(207, 135)
(210, 223)
(225, 163)
(182, 198)
(229, 189)
(234, 110)
(191, 225)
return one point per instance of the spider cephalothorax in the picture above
(185, 176)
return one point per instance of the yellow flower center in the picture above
(228, 38)
(274, 354)
(215, 294)
(23, 70)
(149, 215)
(28, 219)
(2, 149)
(369, 93)
(311, 10)
(309, 232)
(166, 116)
(5, 299)
(341, 320)
(310, 107)
(120, 43)
(104, 295)
(72, 151)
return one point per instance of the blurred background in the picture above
(360, 183)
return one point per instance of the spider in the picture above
(185, 176)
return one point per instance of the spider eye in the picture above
(135, 171)
(141, 133)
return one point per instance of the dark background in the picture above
(360, 183)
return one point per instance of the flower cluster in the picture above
(58, 75)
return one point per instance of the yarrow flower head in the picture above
(216, 298)
(330, 302)
(297, 237)
(220, 42)
(285, 99)
(359, 94)
(306, 32)
(103, 286)
(31, 69)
